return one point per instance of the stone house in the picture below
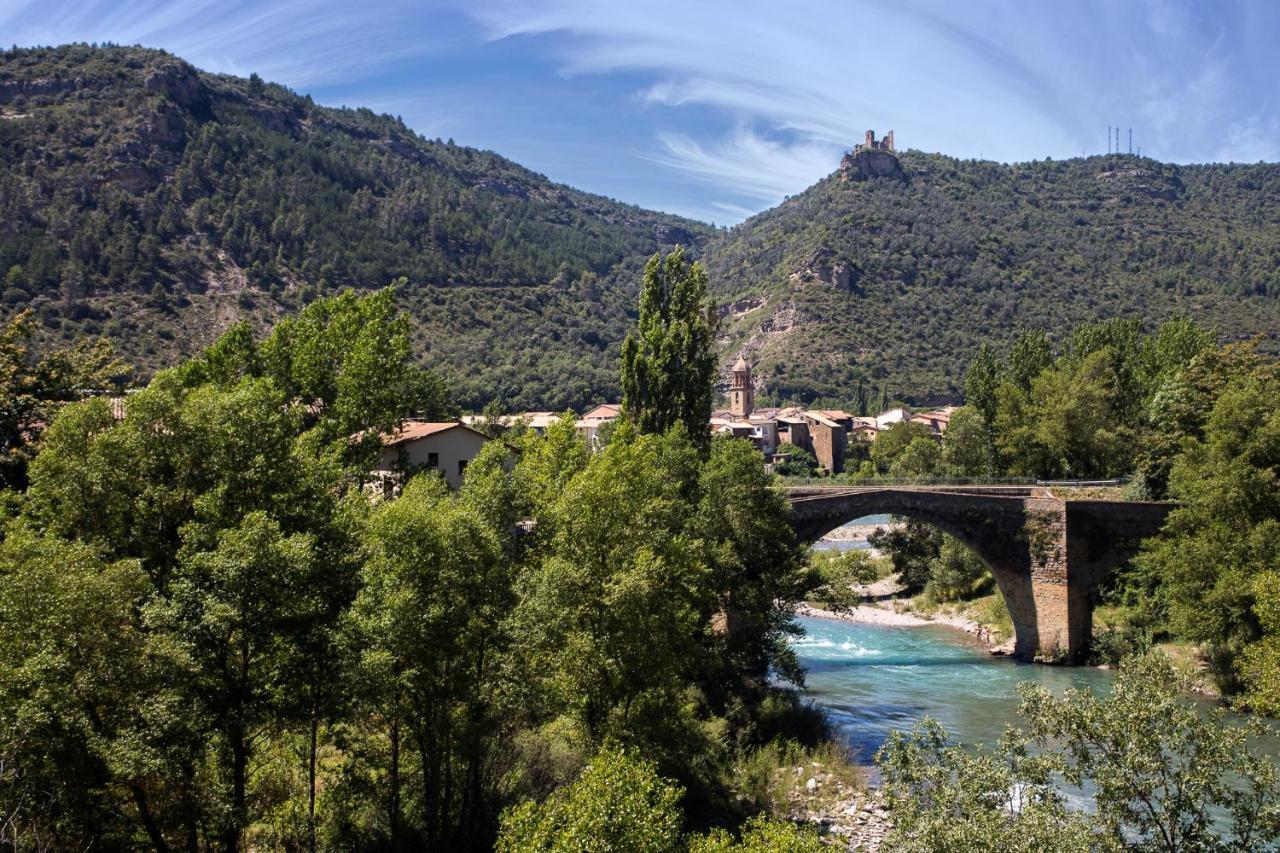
(827, 441)
(426, 446)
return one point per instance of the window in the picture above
(462, 466)
(433, 460)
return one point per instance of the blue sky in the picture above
(719, 108)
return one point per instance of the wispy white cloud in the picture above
(753, 166)
(994, 78)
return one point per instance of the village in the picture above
(832, 436)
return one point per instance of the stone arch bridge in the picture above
(1048, 555)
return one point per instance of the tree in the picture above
(944, 797)
(668, 362)
(756, 575)
(955, 572)
(839, 573)
(618, 805)
(1031, 355)
(1160, 769)
(921, 458)
(609, 615)
(234, 610)
(981, 381)
(95, 730)
(32, 390)
(795, 462)
(761, 835)
(1219, 548)
(912, 547)
(967, 449)
(894, 441)
(427, 627)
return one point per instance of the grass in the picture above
(775, 778)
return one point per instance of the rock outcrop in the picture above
(862, 165)
(1147, 183)
(826, 267)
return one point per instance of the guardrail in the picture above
(872, 482)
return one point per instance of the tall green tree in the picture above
(668, 361)
(426, 627)
(610, 614)
(1214, 561)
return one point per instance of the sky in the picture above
(717, 109)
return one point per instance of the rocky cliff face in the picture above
(871, 164)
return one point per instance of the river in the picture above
(875, 679)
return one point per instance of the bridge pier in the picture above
(1048, 555)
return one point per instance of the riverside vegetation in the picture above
(1183, 418)
(213, 640)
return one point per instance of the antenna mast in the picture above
(1108, 139)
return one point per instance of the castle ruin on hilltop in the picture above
(872, 159)
(870, 144)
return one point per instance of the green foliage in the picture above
(761, 835)
(894, 442)
(956, 573)
(426, 627)
(920, 459)
(839, 573)
(947, 798)
(618, 805)
(911, 546)
(668, 365)
(795, 461)
(773, 777)
(967, 449)
(1159, 767)
(32, 390)
(1214, 562)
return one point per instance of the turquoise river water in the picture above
(874, 679)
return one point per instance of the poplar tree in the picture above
(668, 367)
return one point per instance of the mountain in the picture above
(146, 200)
(155, 203)
(893, 282)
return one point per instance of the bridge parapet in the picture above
(1048, 555)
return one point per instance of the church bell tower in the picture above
(742, 395)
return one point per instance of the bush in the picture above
(618, 804)
(1159, 767)
(839, 573)
(795, 462)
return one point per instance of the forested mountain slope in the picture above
(895, 281)
(143, 199)
(154, 203)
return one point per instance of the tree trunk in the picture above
(148, 820)
(311, 778)
(393, 811)
(239, 774)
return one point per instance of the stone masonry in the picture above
(1048, 555)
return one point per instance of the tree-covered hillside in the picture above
(897, 281)
(154, 203)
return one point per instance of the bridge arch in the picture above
(1047, 555)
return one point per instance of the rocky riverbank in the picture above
(879, 607)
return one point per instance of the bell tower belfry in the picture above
(742, 394)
